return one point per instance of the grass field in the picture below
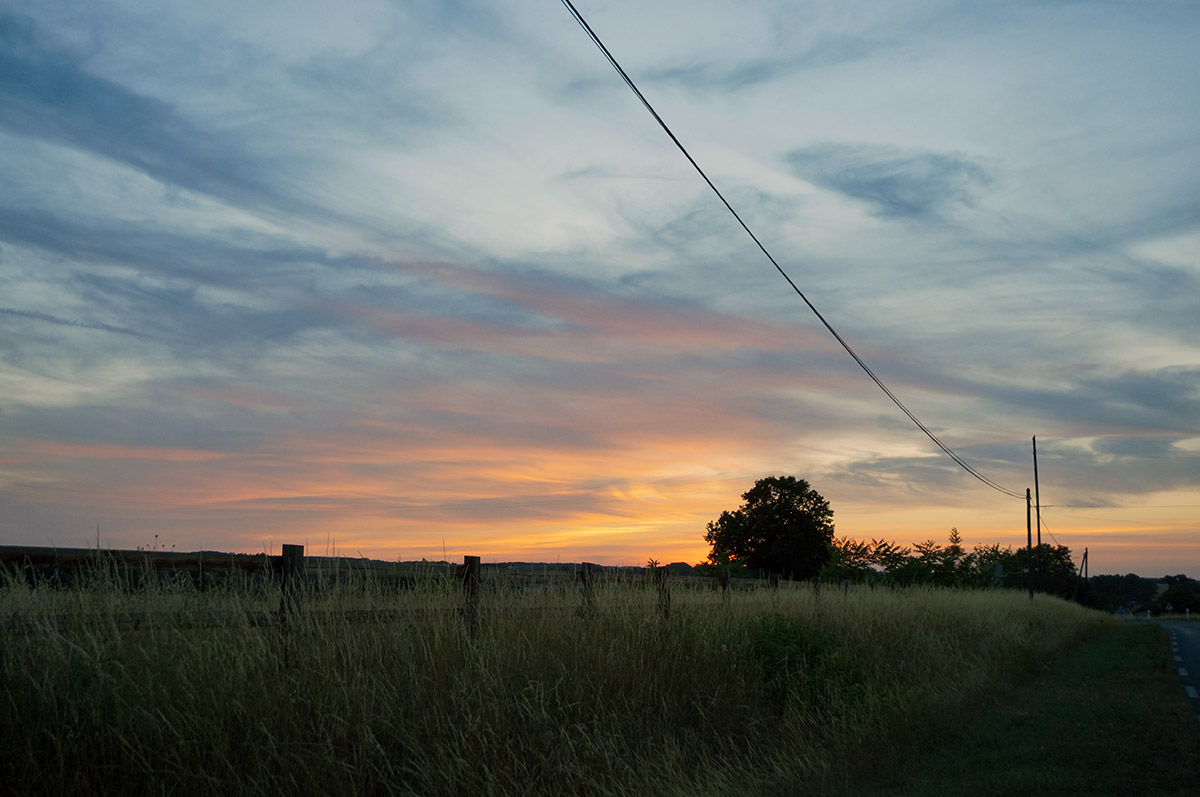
(775, 690)
(1107, 719)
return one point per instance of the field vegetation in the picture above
(1109, 718)
(791, 689)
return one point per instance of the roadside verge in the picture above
(1108, 719)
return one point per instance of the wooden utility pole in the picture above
(1029, 542)
(1081, 575)
(1037, 493)
(1037, 573)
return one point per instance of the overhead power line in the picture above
(1121, 506)
(1048, 531)
(629, 82)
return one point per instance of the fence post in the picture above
(586, 578)
(293, 577)
(470, 579)
(845, 587)
(725, 585)
(661, 575)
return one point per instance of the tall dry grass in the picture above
(770, 690)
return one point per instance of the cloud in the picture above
(893, 183)
(70, 322)
(266, 153)
(615, 315)
(194, 292)
(725, 77)
(372, 273)
(1144, 401)
(46, 93)
(1115, 470)
(1101, 471)
(1166, 398)
(334, 85)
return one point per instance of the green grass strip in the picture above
(1109, 719)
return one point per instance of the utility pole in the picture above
(1037, 493)
(1081, 575)
(1028, 543)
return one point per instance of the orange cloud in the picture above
(106, 451)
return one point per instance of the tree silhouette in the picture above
(783, 526)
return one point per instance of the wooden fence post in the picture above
(470, 579)
(291, 583)
(661, 576)
(725, 585)
(292, 571)
(587, 579)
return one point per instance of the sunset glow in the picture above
(414, 280)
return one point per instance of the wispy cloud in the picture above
(46, 92)
(728, 77)
(71, 322)
(895, 184)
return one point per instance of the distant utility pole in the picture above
(1082, 574)
(1037, 493)
(1028, 544)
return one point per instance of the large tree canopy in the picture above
(783, 526)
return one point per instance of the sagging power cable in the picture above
(632, 87)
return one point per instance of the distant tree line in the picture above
(1051, 570)
(1175, 594)
(952, 565)
(785, 528)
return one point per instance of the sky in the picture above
(424, 279)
